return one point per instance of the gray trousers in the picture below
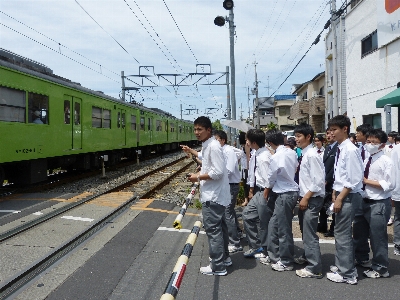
(256, 216)
(309, 222)
(344, 256)
(231, 218)
(396, 224)
(217, 233)
(372, 224)
(280, 236)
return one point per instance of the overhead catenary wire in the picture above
(58, 52)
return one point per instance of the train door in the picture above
(121, 119)
(76, 124)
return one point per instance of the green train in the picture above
(49, 122)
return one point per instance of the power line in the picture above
(58, 52)
(105, 31)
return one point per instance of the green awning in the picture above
(393, 98)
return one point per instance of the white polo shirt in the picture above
(217, 188)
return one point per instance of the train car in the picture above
(49, 122)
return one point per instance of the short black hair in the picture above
(256, 136)
(397, 138)
(379, 134)
(393, 134)
(352, 135)
(320, 137)
(242, 138)
(275, 136)
(364, 128)
(203, 122)
(221, 134)
(340, 121)
(305, 129)
(291, 142)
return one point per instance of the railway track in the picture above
(48, 239)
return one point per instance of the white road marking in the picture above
(10, 211)
(77, 218)
(38, 213)
(178, 230)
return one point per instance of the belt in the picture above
(367, 200)
(233, 183)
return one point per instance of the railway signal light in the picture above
(219, 21)
(228, 4)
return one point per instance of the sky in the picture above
(92, 41)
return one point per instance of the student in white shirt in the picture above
(312, 192)
(361, 137)
(346, 198)
(318, 142)
(214, 196)
(376, 208)
(391, 142)
(257, 213)
(234, 179)
(280, 180)
(396, 197)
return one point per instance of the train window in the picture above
(141, 123)
(77, 113)
(123, 120)
(96, 117)
(38, 108)
(106, 118)
(133, 122)
(67, 112)
(119, 120)
(180, 128)
(172, 127)
(158, 125)
(12, 105)
(149, 123)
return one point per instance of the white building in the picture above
(371, 33)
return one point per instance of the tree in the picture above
(271, 125)
(217, 125)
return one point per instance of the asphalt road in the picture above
(134, 258)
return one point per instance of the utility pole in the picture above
(256, 91)
(334, 22)
(232, 60)
(228, 102)
(248, 101)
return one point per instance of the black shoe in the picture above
(329, 234)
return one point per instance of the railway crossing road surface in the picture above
(133, 259)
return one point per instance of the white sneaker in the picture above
(396, 250)
(265, 260)
(208, 271)
(390, 221)
(333, 269)
(304, 273)
(259, 255)
(233, 249)
(336, 277)
(374, 274)
(281, 267)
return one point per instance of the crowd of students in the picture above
(357, 184)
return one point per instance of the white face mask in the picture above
(372, 149)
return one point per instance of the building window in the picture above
(375, 120)
(354, 2)
(284, 110)
(369, 44)
(12, 105)
(321, 91)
